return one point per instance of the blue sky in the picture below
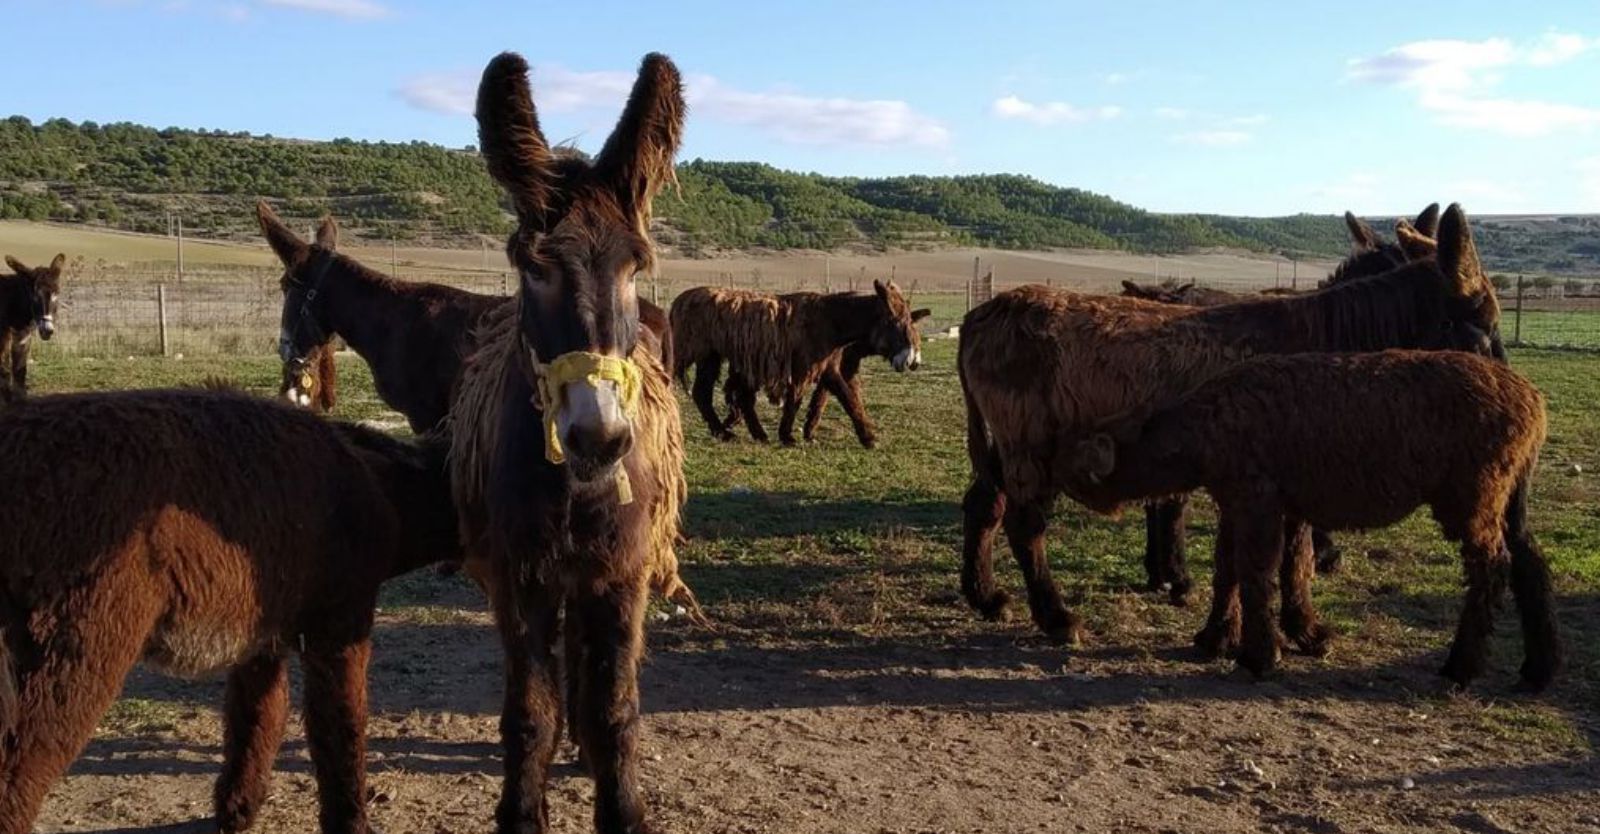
(1242, 107)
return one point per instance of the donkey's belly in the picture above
(198, 649)
(214, 617)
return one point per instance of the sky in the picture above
(1259, 108)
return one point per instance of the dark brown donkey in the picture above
(413, 335)
(784, 344)
(28, 300)
(1370, 254)
(566, 436)
(201, 530)
(1041, 368)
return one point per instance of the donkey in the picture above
(1346, 441)
(201, 530)
(784, 344)
(565, 436)
(413, 335)
(312, 382)
(1041, 367)
(28, 302)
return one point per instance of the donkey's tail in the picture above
(980, 450)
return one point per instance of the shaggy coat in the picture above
(414, 336)
(28, 301)
(1344, 441)
(784, 344)
(569, 533)
(197, 531)
(1042, 367)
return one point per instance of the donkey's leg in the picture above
(1164, 559)
(66, 674)
(527, 619)
(608, 703)
(1298, 616)
(819, 401)
(849, 393)
(1530, 586)
(746, 393)
(1257, 550)
(19, 367)
(1486, 560)
(256, 704)
(982, 509)
(791, 409)
(706, 371)
(1327, 554)
(336, 730)
(6, 392)
(572, 659)
(1221, 632)
(1025, 526)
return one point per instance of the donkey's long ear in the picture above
(16, 266)
(514, 148)
(1415, 244)
(57, 263)
(637, 159)
(285, 244)
(1458, 256)
(1428, 221)
(919, 314)
(328, 233)
(1362, 235)
(1130, 288)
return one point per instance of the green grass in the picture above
(1554, 328)
(831, 542)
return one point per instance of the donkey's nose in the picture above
(598, 447)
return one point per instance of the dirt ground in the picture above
(939, 723)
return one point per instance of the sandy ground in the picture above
(942, 724)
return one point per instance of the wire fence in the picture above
(237, 310)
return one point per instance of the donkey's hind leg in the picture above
(1298, 616)
(1530, 586)
(1486, 563)
(1164, 560)
(706, 371)
(256, 704)
(69, 660)
(336, 730)
(1025, 525)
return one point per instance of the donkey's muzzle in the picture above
(592, 451)
(47, 327)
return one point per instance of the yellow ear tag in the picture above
(308, 382)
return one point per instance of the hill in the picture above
(133, 177)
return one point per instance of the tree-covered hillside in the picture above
(135, 177)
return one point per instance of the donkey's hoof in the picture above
(1178, 593)
(723, 435)
(1538, 674)
(1216, 640)
(868, 442)
(1314, 640)
(993, 608)
(1261, 665)
(1063, 629)
(1460, 671)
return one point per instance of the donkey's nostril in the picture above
(599, 447)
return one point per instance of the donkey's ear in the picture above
(285, 244)
(1428, 221)
(1130, 288)
(328, 233)
(514, 148)
(1361, 235)
(919, 314)
(881, 289)
(1415, 244)
(1458, 255)
(57, 263)
(637, 159)
(16, 266)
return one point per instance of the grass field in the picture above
(832, 573)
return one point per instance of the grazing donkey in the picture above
(1041, 367)
(1346, 441)
(28, 301)
(201, 530)
(567, 449)
(783, 344)
(413, 335)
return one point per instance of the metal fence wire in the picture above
(236, 310)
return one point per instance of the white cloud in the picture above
(1051, 112)
(789, 116)
(1451, 79)
(1175, 114)
(1215, 138)
(348, 9)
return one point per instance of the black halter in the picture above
(305, 322)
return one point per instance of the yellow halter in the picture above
(550, 381)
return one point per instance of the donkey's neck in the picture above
(846, 318)
(1387, 311)
(363, 305)
(15, 309)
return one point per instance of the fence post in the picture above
(161, 314)
(1516, 339)
(505, 284)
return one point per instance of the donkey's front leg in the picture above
(336, 730)
(530, 719)
(256, 704)
(612, 626)
(791, 409)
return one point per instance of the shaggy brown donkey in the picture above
(1345, 441)
(566, 436)
(1042, 367)
(200, 530)
(413, 335)
(1164, 520)
(783, 344)
(28, 301)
